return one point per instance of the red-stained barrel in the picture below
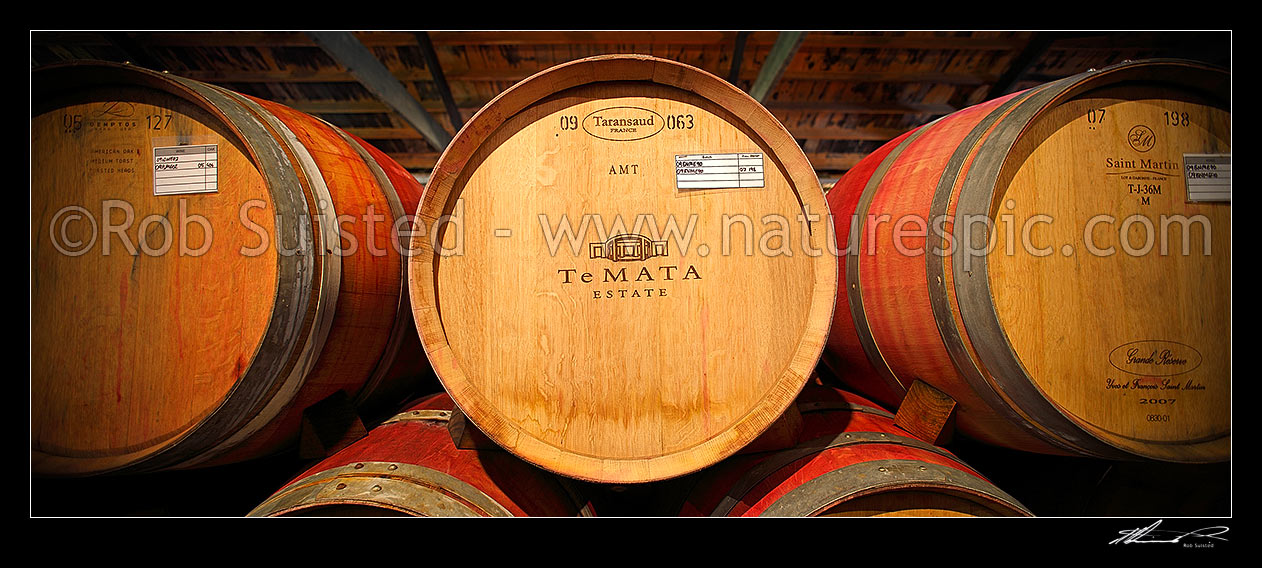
(1057, 261)
(409, 465)
(852, 461)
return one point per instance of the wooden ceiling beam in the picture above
(1127, 40)
(287, 76)
(133, 51)
(440, 81)
(834, 161)
(188, 39)
(361, 106)
(400, 39)
(951, 78)
(862, 108)
(383, 132)
(498, 38)
(774, 65)
(827, 40)
(738, 54)
(759, 39)
(844, 133)
(1021, 64)
(360, 62)
(416, 160)
(514, 75)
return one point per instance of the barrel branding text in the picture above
(1155, 358)
(623, 123)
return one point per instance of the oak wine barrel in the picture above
(409, 466)
(1057, 261)
(615, 280)
(851, 461)
(205, 267)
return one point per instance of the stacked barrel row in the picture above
(847, 458)
(623, 270)
(624, 355)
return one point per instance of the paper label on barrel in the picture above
(185, 169)
(1208, 177)
(718, 171)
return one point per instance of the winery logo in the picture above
(1141, 138)
(115, 110)
(619, 283)
(628, 247)
(1155, 358)
(623, 123)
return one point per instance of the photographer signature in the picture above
(1150, 534)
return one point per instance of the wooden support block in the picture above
(782, 435)
(329, 426)
(927, 413)
(466, 435)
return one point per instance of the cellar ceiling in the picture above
(842, 94)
